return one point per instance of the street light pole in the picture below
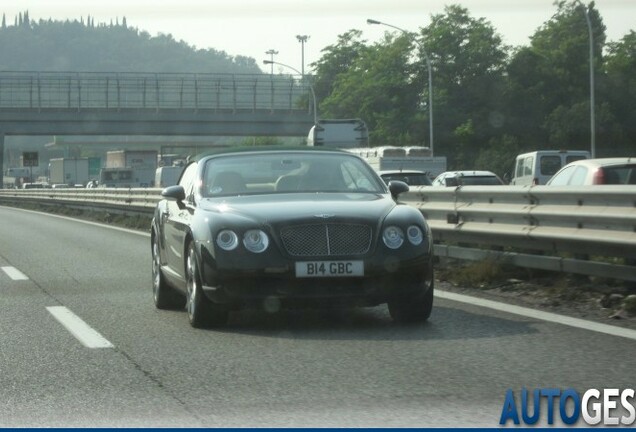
(592, 102)
(271, 53)
(311, 87)
(302, 39)
(430, 81)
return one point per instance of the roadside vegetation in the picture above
(605, 300)
(490, 101)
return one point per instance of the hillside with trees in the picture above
(491, 101)
(85, 46)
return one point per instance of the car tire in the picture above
(165, 297)
(415, 308)
(202, 312)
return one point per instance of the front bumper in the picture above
(383, 280)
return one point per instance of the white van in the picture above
(537, 167)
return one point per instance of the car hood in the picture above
(273, 209)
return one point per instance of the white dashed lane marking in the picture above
(88, 336)
(14, 273)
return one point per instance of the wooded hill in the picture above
(84, 46)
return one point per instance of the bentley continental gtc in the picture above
(290, 227)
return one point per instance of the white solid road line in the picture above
(84, 221)
(14, 273)
(88, 336)
(540, 315)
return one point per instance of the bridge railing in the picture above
(589, 231)
(120, 91)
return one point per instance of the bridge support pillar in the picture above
(2, 159)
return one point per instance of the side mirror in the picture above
(174, 193)
(397, 187)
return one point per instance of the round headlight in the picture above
(227, 240)
(414, 234)
(255, 241)
(393, 237)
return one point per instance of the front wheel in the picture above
(202, 312)
(165, 297)
(414, 308)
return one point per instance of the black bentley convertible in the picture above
(279, 227)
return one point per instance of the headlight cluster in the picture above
(393, 236)
(254, 240)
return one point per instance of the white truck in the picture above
(414, 158)
(340, 133)
(68, 171)
(117, 178)
(142, 162)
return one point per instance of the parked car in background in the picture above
(537, 167)
(467, 178)
(607, 171)
(306, 226)
(410, 177)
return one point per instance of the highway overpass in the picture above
(84, 103)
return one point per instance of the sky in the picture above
(253, 27)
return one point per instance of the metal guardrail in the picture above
(549, 228)
(598, 221)
(135, 200)
(543, 224)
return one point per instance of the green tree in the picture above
(379, 88)
(621, 94)
(468, 60)
(336, 59)
(548, 94)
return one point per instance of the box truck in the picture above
(142, 162)
(69, 171)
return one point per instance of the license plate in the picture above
(329, 269)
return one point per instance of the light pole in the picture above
(311, 87)
(302, 39)
(271, 54)
(430, 81)
(592, 103)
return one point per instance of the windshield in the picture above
(280, 173)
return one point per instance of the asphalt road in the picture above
(302, 368)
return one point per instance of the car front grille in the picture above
(326, 239)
